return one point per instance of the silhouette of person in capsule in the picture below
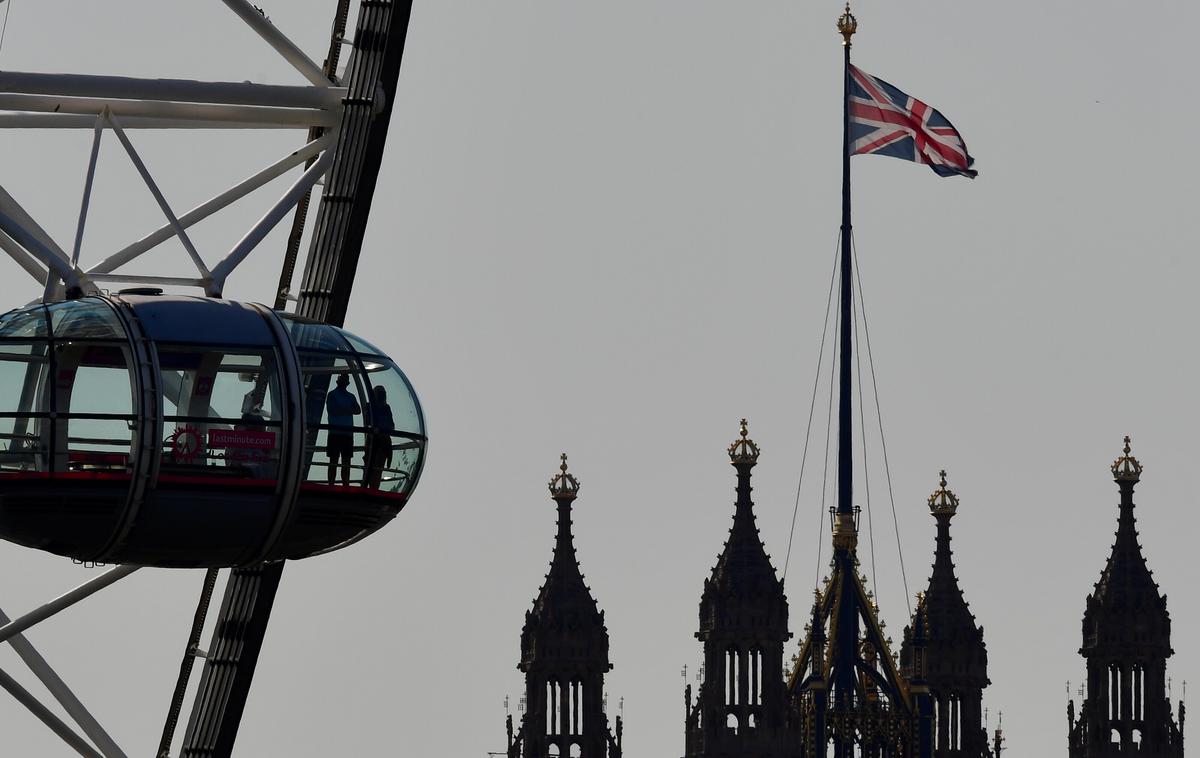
(379, 447)
(342, 407)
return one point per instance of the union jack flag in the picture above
(886, 121)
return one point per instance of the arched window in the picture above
(955, 721)
(756, 680)
(579, 709)
(576, 750)
(1114, 692)
(1139, 691)
(553, 752)
(731, 722)
(574, 711)
(937, 722)
(555, 708)
(732, 676)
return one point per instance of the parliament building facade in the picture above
(845, 693)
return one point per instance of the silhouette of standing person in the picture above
(342, 407)
(379, 447)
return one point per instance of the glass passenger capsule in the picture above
(184, 431)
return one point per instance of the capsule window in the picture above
(335, 437)
(360, 345)
(221, 413)
(95, 418)
(68, 404)
(25, 324)
(363, 424)
(85, 319)
(314, 336)
(395, 436)
(24, 368)
(92, 378)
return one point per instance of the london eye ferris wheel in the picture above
(145, 420)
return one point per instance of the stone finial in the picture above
(943, 501)
(1126, 468)
(743, 450)
(921, 619)
(564, 485)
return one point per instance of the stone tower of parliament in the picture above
(1126, 641)
(846, 694)
(564, 656)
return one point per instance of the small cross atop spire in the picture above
(743, 450)
(564, 486)
(1126, 468)
(943, 502)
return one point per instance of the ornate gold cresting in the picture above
(845, 532)
(920, 627)
(1126, 468)
(847, 24)
(743, 450)
(564, 485)
(943, 501)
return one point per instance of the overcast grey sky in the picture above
(607, 228)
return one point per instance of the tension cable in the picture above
(811, 408)
(879, 417)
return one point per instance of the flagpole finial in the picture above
(847, 24)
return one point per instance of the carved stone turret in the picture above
(1126, 641)
(564, 655)
(740, 709)
(955, 660)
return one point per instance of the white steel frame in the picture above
(120, 104)
(11, 632)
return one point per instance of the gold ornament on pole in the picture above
(847, 24)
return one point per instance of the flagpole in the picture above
(845, 531)
(847, 25)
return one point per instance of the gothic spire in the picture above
(957, 654)
(564, 602)
(1126, 590)
(1126, 641)
(741, 707)
(564, 655)
(743, 589)
(953, 661)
